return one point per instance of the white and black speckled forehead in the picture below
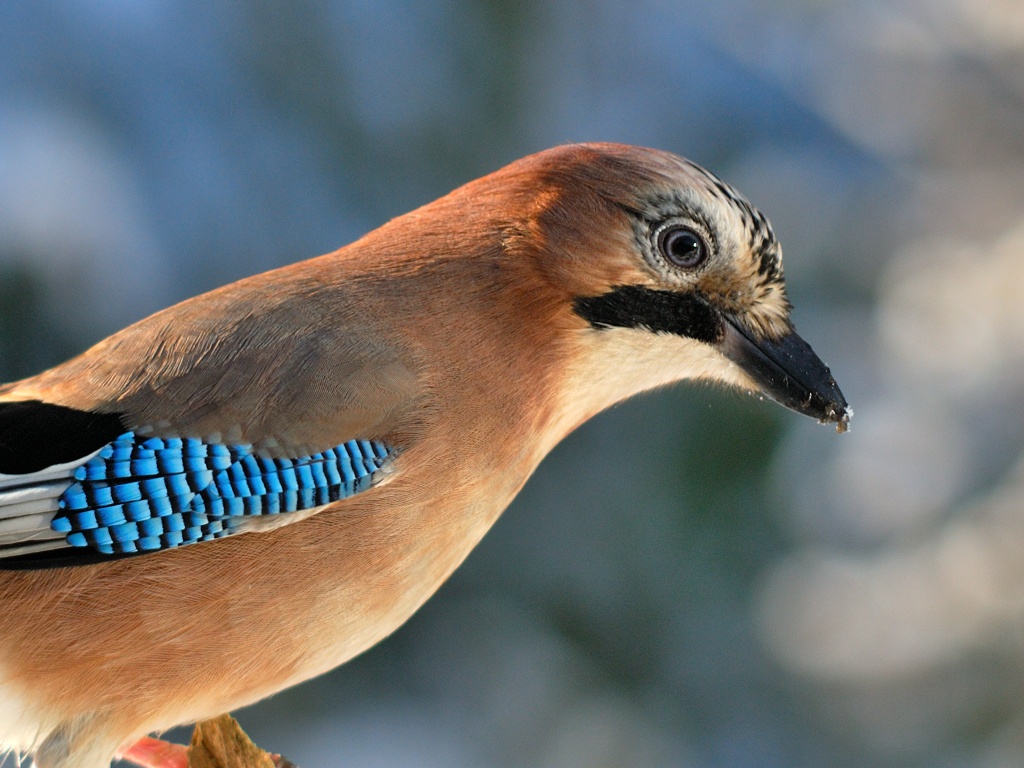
(691, 201)
(758, 230)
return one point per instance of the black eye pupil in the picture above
(683, 247)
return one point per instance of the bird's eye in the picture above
(683, 247)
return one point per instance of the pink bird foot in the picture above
(155, 753)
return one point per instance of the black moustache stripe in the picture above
(636, 306)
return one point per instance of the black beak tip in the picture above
(833, 409)
(822, 399)
(790, 373)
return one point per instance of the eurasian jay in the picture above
(249, 488)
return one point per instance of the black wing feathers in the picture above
(35, 435)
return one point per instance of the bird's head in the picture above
(669, 274)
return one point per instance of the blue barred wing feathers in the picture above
(145, 494)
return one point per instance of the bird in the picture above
(249, 488)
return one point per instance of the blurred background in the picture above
(694, 578)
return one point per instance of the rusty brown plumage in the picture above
(452, 333)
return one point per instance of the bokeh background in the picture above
(694, 578)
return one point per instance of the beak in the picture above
(788, 372)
